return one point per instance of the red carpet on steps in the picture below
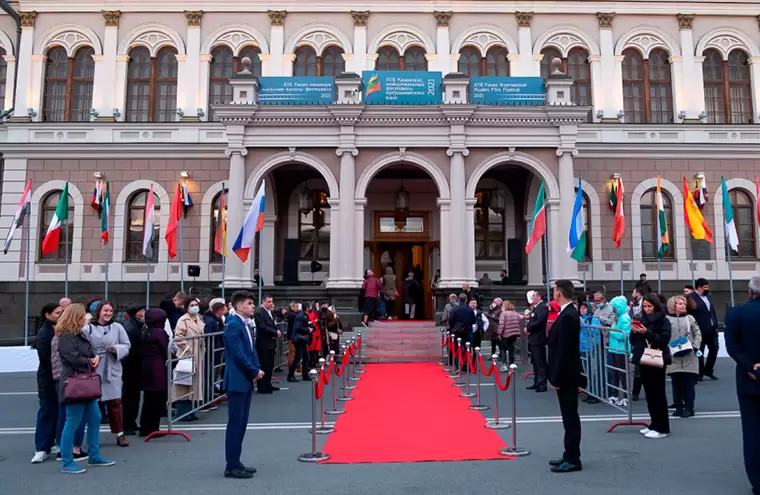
(409, 412)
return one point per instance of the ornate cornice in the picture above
(685, 20)
(442, 18)
(360, 17)
(193, 17)
(111, 17)
(524, 19)
(277, 17)
(28, 18)
(605, 19)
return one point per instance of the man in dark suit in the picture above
(462, 321)
(241, 371)
(743, 345)
(266, 343)
(707, 319)
(536, 328)
(565, 374)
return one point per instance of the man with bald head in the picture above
(64, 302)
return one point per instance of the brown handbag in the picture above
(82, 387)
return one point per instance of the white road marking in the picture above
(18, 393)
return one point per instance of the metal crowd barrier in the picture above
(609, 374)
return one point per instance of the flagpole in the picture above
(584, 278)
(66, 258)
(147, 288)
(622, 290)
(730, 276)
(105, 246)
(181, 262)
(659, 275)
(224, 274)
(546, 259)
(261, 257)
(26, 288)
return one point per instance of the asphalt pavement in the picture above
(703, 455)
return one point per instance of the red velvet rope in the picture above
(451, 345)
(443, 340)
(351, 350)
(329, 372)
(471, 363)
(359, 342)
(483, 367)
(319, 385)
(506, 385)
(343, 362)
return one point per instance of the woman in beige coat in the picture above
(389, 291)
(189, 325)
(685, 367)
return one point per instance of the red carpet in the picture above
(422, 419)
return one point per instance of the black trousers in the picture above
(538, 359)
(130, 398)
(749, 407)
(653, 380)
(266, 358)
(154, 404)
(507, 347)
(709, 341)
(684, 385)
(571, 421)
(302, 358)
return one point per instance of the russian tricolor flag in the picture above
(254, 222)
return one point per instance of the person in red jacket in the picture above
(372, 289)
(553, 314)
(315, 348)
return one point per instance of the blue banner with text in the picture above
(296, 90)
(402, 88)
(516, 91)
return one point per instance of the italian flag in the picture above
(728, 212)
(53, 236)
(105, 214)
(538, 222)
(662, 226)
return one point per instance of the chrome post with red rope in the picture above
(468, 371)
(495, 425)
(343, 368)
(443, 348)
(360, 344)
(332, 365)
(460, 358)
(350, 367)
(478, 406)
(323, 379)
(452, 357)
(353, 376)
(314, 455)
(514, 450)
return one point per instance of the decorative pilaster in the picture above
(443, 43)
(359, 62)
(189, 71)
(347, 272)
(275, 65)
(10, 64)
(238, 274)
(103, 92)
(688, 80)
(26, 84)
(455, 246)
(564, 267)
(111, 17)
(525, 66)
(610, 105)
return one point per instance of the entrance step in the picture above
(401, 341)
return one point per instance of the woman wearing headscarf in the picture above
(47, 414)
(111, 343)
(155, 352)
(389, 291)
(190, 327)
(131, 363)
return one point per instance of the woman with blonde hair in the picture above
(186, 389)
(685, 339)
(509, 331)
(77, 356)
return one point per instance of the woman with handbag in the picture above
(79, 388)
(187, 385)
(650, 338)
(111, 343)
(684, 344)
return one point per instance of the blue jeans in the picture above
(78, 435)
(75, 413)
(47, 421)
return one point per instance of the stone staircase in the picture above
(401, 342)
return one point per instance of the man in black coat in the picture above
(707, 319)
(565, 374)
(462, 320)
(536, 328)
(743, 345)
(266, 343)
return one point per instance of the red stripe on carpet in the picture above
(389, 422)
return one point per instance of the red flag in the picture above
(220, 237)
(757, 187)
(174, 215)
(619, 229)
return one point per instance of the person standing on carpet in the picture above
(241, 371)
(565, 374)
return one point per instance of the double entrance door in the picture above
(402, 258)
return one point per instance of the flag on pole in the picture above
(538, 222)
(148, 226)
(728, 214)
(700, 193)
(694, 219)
(53, 236)
(24, 207)
(220, 234)
(619, 227)
(253, 223)
(613, 196)
(106, 213)
(663, 242)
(175, 213)
(577, 241)
(97, 196)
(187, 200)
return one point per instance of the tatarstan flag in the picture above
(53, 236)
(538, 222)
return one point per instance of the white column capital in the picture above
(230, 152)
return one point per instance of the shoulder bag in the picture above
(681, 347)
(82, 387)
(652, 358)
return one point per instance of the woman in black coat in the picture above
(47, 414)
(155, 352)
(653, 331)
(130, 395)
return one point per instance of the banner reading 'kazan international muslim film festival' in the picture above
(402, 88)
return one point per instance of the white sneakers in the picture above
(504, 368)
(622, 402)
(613, 401)
(652, 434)
(39, 457)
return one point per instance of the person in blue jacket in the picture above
(241, 371)
(590, 351)
(619, 350)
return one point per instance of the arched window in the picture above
(744, 219)
(223, 66)
(3, 77)
(151, 85)
(489, 225)
(727, 83)
(216, 257)
(493, 64)
(305, 62)
(577, 66)
(136, 226)
(649, 226)
(388, 59)
(331, 62)
(314, 228)
(647, 87)
(414, 59)
(68, 85)
(47, 211)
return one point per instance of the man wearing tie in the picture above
(536, 328)
(565, 374)
(266, 343)
(241, 371)
(707, 319)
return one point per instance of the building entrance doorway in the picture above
(402, 258)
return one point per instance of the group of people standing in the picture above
(379, 295)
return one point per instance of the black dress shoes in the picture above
(712, 377)
(266, 391)
(532, 387)
(274, 389)
(566, 467)
(556, 462)
(247, 469)
(238, 473)
(540, 389)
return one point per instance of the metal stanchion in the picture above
(495, 425)
(446, 351)
(348, 371)
(334, 367)
(467, 358)
(478, 406)
(453, 372)
(353, 376)
(360, 366)
(514, 450)
(461, 356)
(443, 348)
(314, 456)
(345, 397)
(323, 430)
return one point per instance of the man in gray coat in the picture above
(604, 312)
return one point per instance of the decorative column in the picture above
(597, 85)
(120, 91)
(557, 238)
(237, 273)
(610, 69)
(443, 42)
(565, 267)
(525, 66)
(348, 271)
(10, 64)
(25, 85)
(456, 244)
(275, 64)
(188, 72)
(267, 266)
(469, 240)
(103, 95)
(688, 81)
(358, 62)
(446, 254)
(358, 236)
